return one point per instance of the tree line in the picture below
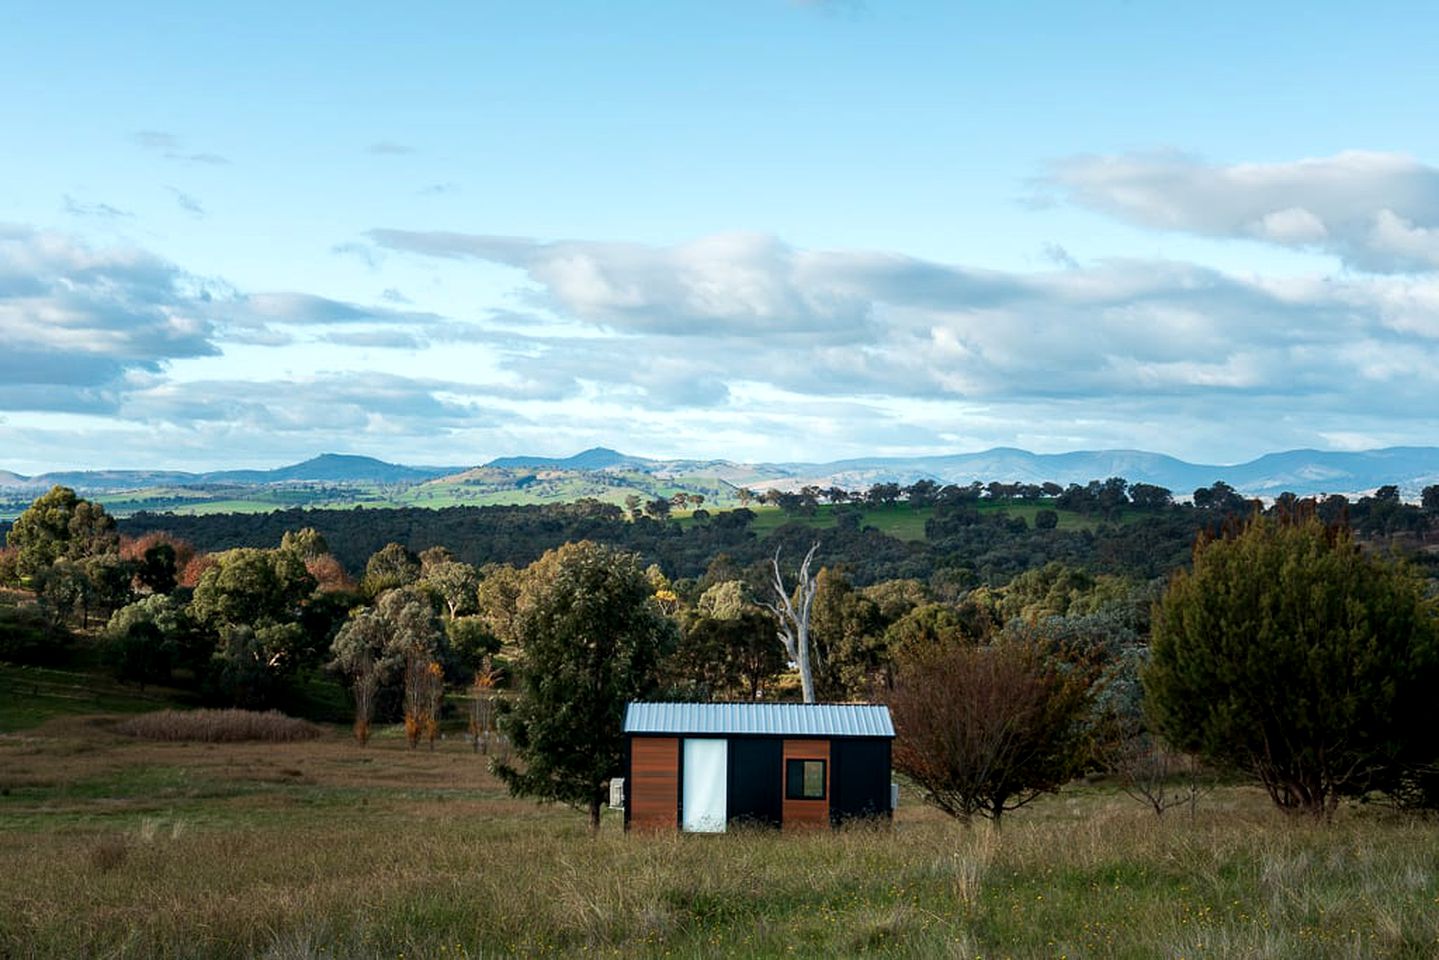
(1103, 659)
(1130, 529)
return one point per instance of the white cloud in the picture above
(1400, 238)
(840, 323)
(1374, 211)
(329, 403)
(1293, 226)
(169, 146)
(387, 339)
(77, 323)
(80, 319)
(103, 211)
(186, 202)
(741, 283)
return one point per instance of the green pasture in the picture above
(30, 696)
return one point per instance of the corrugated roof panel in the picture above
(778, 719)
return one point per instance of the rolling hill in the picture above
(326, 468)
(345, 481)
(1297, 471)
(333, 468)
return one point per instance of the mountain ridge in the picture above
(324, 468)
(1301, 471)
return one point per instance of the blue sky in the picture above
(439, 233)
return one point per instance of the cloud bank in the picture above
(742, 338)
(738, 307)
(1376, 212)
(76, 321)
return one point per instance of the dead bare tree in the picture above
(792, 614)
(1155, 774)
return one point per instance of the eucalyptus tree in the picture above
(592, 639)
(792, 612)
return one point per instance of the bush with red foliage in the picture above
(987, 729)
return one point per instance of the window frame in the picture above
(794, 785)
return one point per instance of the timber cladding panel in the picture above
(807, 813)
(654, 788)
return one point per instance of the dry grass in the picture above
(219, 726)
(109, 853)
(324, 849)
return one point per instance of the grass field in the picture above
(32, 695)
(122, 848)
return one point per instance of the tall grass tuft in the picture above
(219, 726)
(109, 854)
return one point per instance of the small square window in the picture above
(804, 780)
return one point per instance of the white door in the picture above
(706, 768)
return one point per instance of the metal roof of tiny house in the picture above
(774, 719)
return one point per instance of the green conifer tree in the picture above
(1289, 653)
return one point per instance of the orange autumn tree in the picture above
(424, 694)
(482, 705)
(399, 638)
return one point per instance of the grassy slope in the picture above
(31, 695)
(130, 849)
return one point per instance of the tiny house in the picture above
(700, 767)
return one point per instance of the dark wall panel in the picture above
(860, 777)
(756, 784)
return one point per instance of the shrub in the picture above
(984, 730)
(219, 726)
(28, 637)
(139, 653)
(146, 640)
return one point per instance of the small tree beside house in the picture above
(591, 638)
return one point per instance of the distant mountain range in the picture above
(326, 468)
(1298, 471)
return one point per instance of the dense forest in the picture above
(972, 535)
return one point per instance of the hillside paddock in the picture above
(116, 847)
